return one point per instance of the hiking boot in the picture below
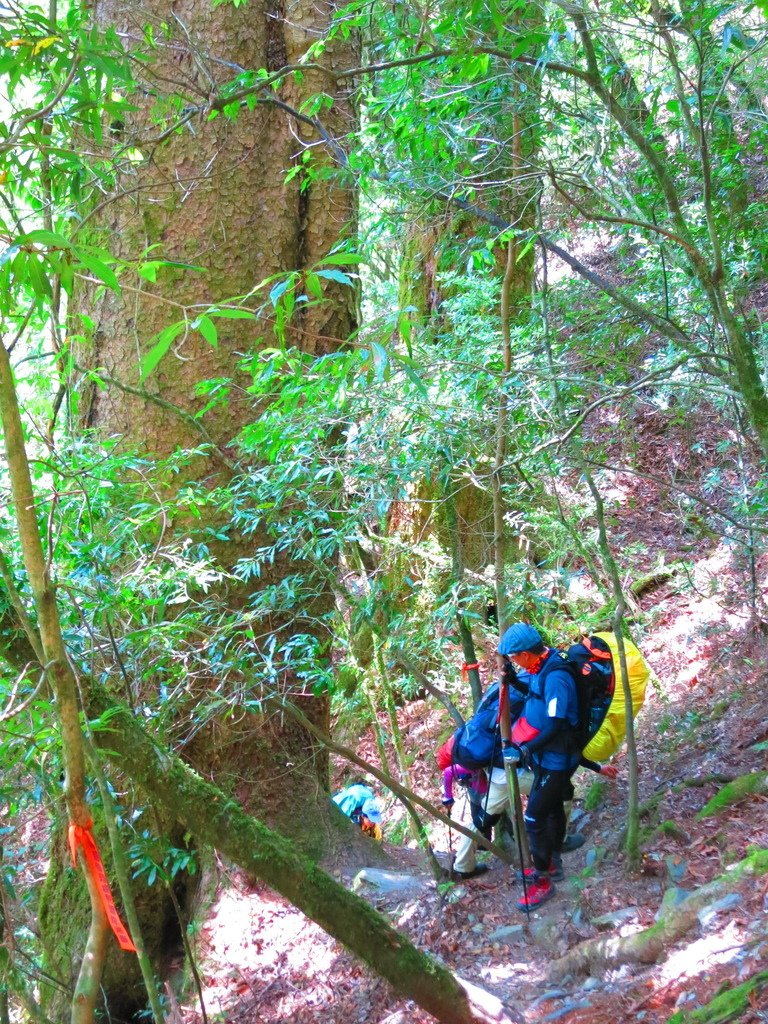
(554, 872)
(572, 842)
(539, 891)
(463, 876)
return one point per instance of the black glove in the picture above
(509, 674)
(526, 759)
(510, 677)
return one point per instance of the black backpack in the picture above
(591, 667)
(477, 743)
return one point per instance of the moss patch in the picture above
(64, 917)
(595, 796)
(729, 1005)
(672, 829)
(650, 808)
(733, 792)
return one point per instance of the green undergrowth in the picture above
(733, 792)
(728, 1005)
(595, 796)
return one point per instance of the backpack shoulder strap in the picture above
(560, 661)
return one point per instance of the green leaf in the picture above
(165, 339)
(314, 287)
(279, 290)
(149, 270)
(8, 253)
(99, 269)
(42, 237)
(342, 259)
(380, 360)
(207, 328)
(336, 275)
(37, 278)
(416, 380)
(232, 314)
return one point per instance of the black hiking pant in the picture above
(544, 817)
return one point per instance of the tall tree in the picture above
(200, 181)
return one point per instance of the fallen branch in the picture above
(423, 680)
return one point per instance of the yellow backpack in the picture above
(610, 735)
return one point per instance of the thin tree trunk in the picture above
(471, 667)
(632, 845)
(60, 676)
(502, 426)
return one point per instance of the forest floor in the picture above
(704, 722)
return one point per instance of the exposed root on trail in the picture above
(648, 946)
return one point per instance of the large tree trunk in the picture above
(213, 195)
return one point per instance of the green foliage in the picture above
(337, 489)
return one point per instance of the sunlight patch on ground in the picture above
(688, 631)
(499, 973)
(253, 937)
(702, 955)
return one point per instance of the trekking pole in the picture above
(513, 784)
(513, 791)
(451, 854)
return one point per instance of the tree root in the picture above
(597, 955)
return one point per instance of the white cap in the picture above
(372, 810)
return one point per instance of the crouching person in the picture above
(359, 803)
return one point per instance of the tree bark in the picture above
(213, 195)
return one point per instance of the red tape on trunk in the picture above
(81, 837)
(465, 667)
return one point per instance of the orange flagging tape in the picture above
(81, 837)
(465, 667)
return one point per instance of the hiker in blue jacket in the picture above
(543, 737)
